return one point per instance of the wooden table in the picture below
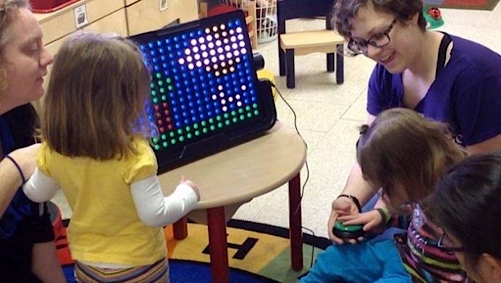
(237, 175)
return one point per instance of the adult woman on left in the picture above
(27, 249)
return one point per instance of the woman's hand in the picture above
(340, 207)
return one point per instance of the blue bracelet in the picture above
(18, 167)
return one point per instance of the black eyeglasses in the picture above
(445, 245)
(377, 40)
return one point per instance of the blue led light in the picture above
(202, 80)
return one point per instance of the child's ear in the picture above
(492, 265)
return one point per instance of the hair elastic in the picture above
(17, 166)
(354, 199)
(385, 214)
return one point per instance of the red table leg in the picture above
(218, 245)
(180, 228)
(295, 223)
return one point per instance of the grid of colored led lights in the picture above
(203, 81)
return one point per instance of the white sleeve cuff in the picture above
(40, 187)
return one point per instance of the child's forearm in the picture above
(156, 210)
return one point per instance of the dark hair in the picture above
(404, 10)
(401, 147)
(467, 203)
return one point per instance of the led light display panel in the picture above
(205, 93)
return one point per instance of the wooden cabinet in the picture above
(113, 23)
(148, 15)
(123, 17)
(61, 23)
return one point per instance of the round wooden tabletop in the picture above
(243, 172)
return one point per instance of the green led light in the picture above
(247, 108)
(171, 134)
(154, 92)
(205, 130)
(155, 100)
(218, 118)
(163, 137)
(170, 87)
(249, 115)
(195, 125)
(162, 90)
(164, 98)
(189, 136)
(180, 131)
(233, 113)
(240, 110)
(226, 115)
(188, 128)
(242, 117)
(204, 123)
(212, 127)
(154, 140)
(227, 122)
(173, 141)
(197, 133)
(181, 139)
(160, 83)
(158, 75)
(256, 112)
(168, 80)
(234, 120)
(165, 144)
(211, 121)
(220, 125)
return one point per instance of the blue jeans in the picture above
(365, 262)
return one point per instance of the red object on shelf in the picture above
(49, 6)
(220, 9)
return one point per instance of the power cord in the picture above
(306, 166)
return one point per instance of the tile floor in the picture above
(328, 116)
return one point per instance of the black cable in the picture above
(306, 166)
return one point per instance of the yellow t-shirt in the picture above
(105, 227)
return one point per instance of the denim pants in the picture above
(365, 262)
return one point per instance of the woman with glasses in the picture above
(442, 76)
(467, 205)
(404, 154)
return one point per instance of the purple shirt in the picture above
(466, 94)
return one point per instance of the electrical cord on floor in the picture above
(306, 166)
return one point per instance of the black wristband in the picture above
(354, 199)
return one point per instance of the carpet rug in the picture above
(258, 253)
(470, 4)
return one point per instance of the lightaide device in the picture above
(205, 94)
